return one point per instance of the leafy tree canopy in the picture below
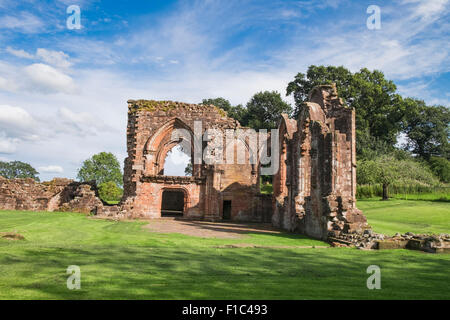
(17, 169)
(441, 168)
(102, 167)
(388, 169)
(264, 110)
(427, 129)
(379, 109)
(381, 113)
(236, 112)
(219, 102)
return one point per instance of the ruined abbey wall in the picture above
(315, 188)
(56, 195)
(150, 136)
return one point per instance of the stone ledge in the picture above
(173, 179)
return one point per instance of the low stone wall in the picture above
(56, 195)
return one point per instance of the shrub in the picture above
(110, 192)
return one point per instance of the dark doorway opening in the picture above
(172, 203)
(226, 210)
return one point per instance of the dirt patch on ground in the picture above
(204, 229)
(11, 236)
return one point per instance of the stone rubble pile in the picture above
(371, 240)
(425, 242)
(84, 199)
(56, 195)
(362, 240)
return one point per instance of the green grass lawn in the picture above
(121, 260)
(394, 215)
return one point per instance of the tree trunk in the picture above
(385, 192)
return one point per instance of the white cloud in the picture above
(176, 162)
(405, 47)
(75, 126)
(55, 58)
(19, 53)
(58, 59)
(46, 79)
(7, 145)
(17, 123)
(7, 85)
(427, 9)
(23, 22)
(9, 77)
(37, 77)
(98, 53)
(421, 90)
(82, 123)
(51, 169)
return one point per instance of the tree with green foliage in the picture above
(18, 169)
(441, 168)
(102, 167)
(379, 109)
(220, 102)
(427, 129)
(370, 147)
(383, 170)
(239, 113)
(387, 169)
(110, 192)
(302, 84)
(264, 110)
(236, 112)
(189, 169)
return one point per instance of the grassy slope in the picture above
(120, 260)
(401, 216)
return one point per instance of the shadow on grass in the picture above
(447, 200)
(120, 272)
(243, 228)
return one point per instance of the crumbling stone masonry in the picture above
(315, 188)
(371, 240)
(56, 195)
(212, 188)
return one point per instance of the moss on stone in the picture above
(152, 105)
(222, 112)
(167, 105)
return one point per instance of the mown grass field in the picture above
(121, 260)
(420, 216)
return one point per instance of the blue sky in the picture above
(63, 92)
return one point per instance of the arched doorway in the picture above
(173, 203)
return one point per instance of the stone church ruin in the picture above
(314, 186)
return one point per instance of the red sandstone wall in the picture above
(318, 197)
(149, 138)
(55, 195)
